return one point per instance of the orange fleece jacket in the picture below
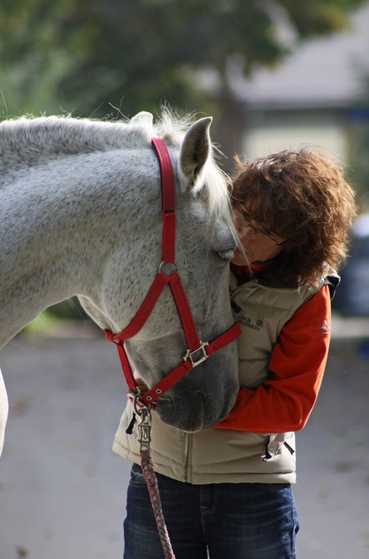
(285, 402)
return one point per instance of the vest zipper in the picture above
(289, 447)
(187, 452)
(267, 455)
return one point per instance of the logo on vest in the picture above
(324, 330)
(246, 321)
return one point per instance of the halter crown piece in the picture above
(197, 351)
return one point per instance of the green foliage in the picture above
(79, 55)
(40, 44)
(360, 156)
(48, 322)
(319, 17)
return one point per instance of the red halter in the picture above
(197, 351)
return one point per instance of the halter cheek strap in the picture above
(198, 351)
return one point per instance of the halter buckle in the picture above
(203, 355)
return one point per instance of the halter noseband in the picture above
(197, 351)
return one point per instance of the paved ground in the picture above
(62, 490)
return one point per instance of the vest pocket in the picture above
(274, 446)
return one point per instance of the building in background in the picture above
(311, 97)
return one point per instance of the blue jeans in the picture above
(220, 521)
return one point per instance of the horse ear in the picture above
(195, 149)
(144, 118)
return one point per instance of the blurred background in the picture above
(274, 74)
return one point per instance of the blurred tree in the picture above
(80, 55)
(359, 146)
(359, 157)
(41, 43)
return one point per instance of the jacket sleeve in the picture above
(297, 366)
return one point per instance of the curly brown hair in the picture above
(301, 196)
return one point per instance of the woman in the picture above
(227, 491)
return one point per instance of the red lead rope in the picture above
(197, 351)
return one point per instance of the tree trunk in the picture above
(230, 128)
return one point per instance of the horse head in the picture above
(204, 245)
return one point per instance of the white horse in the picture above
(80, 214)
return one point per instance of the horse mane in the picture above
(28, 136)
(28, 141)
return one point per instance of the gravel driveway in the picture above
(62, 490)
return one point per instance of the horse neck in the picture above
(58, 227)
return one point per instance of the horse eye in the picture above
(226, 254)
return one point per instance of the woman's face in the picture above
(258, 242)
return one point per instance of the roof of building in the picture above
(322, 72)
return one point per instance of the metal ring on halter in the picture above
(133, 394)
(139, 407)
(162, 264)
